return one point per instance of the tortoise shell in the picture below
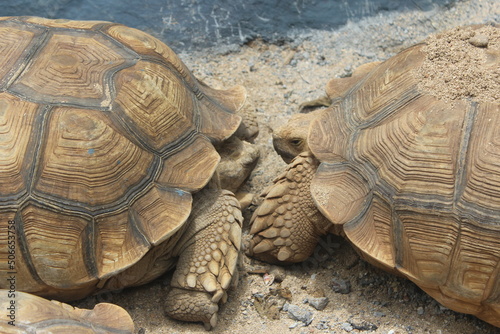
(104, 135)
(33, 314)
(415, 182)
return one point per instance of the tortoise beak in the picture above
(283, 150)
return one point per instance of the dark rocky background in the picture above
(188, 24)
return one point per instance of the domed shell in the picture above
(415, 182)
(104, 135)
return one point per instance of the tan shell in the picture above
(415, 183)
(104, 135)
(32, 314)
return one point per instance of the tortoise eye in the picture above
(296, 142)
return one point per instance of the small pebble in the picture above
(318, 303)
(346, 326)
(341, 286)
(420, 310)
(258, 295)
(480, 41)
(363, 325)
(323, 324)
(379, 314)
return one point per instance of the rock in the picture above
(297, 313)
(323, 324)
(318, 303)
(346, 326)
(362, 325)
(479, 41)
(341, 286)
(279, 273)
(420, 310)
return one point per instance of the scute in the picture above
(374, 232)
(13, 46)
(27, 282)
(62, 235)
(38, 315)
(215, 107)
(156, 105)
(17, 137)
(61, 23)
(325, 147)
(481, 188)
(74, 68)
(426, 265)
(109, 165)
(190, 168)
(159, 213)
(417, 151)
(118, 244)
(386, 89)
(147, 45)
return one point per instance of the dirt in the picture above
(462, 63)
(361, 299)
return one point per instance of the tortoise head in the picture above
(290, 139)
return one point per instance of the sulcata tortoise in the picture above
(105, 136)
(32, 314)
(410, 179)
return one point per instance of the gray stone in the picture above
(318, 303)
(323, 324)
(340, 285)
(298, 313)
(362, 325)
(346, 326)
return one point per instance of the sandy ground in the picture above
(278, 78)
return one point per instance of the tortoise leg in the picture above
(287, 225)
(208, 254)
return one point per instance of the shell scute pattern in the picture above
(124, 106)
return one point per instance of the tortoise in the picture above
(105, 135)
(33, 314)
(409, 178)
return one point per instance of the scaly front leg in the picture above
(287, 225)
(209, 251)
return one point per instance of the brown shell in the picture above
(34, 314)
(104, 135)
(415, 182)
